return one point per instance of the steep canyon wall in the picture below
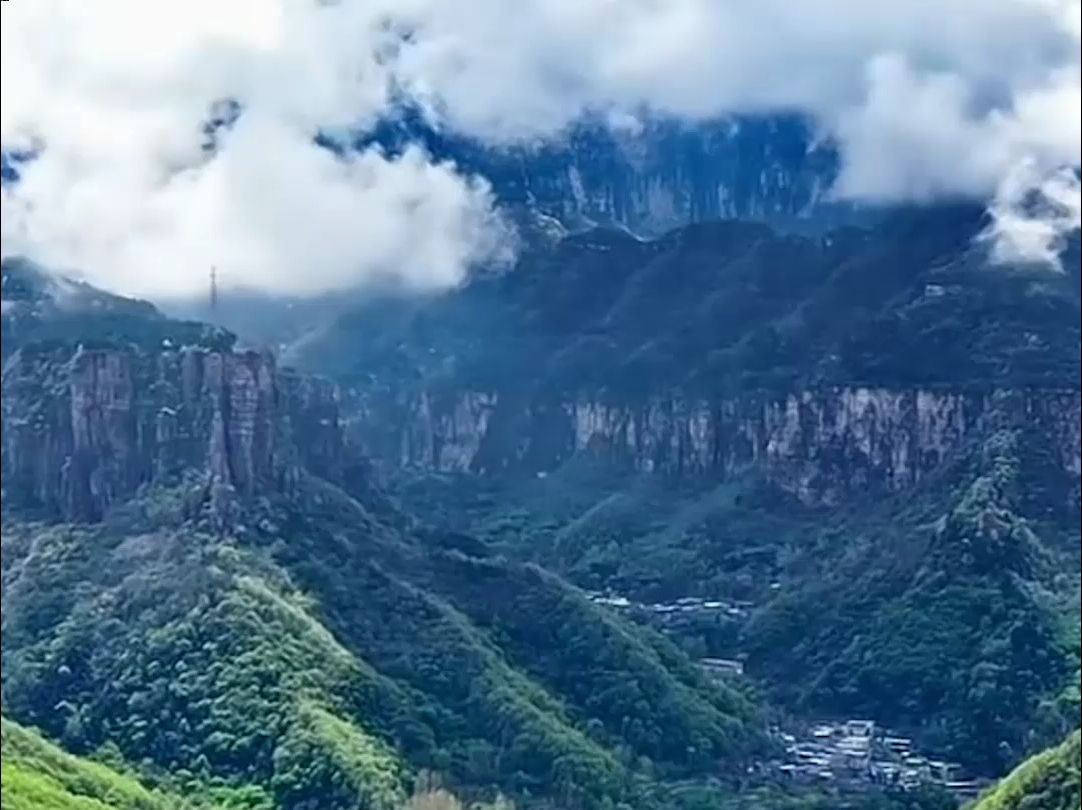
(817, 445)
(82, 431)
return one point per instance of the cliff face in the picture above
(82, 431)
(817, 445)
(654, 182)
(652, 178)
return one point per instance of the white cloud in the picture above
(925, 98)
(1033, 215)
(124, 193)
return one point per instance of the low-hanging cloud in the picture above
(270, 210)
(924, 98)
(1033, 214)
(130, 190)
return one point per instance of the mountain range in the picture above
(648, 177)
(307, 564)
(877, 426)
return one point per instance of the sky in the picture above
(926, 99)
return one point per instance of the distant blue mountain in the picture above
(668, 174)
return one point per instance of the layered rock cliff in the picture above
(883, 351)
(83, 430)
(653, 177)
(818, 445)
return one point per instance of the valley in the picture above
(398, 569)
(853, 753)
(840, 509)
(547, 405)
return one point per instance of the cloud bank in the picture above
(132, 191)
(925, 99)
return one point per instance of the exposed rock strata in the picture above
(85, 430)
(818, 445)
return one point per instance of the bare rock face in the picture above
(817, 445)
(82, 431)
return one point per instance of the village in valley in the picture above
(857, 753)
(849, 754)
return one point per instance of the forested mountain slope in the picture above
(198, 569)
(878, 428)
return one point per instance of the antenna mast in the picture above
(213, 289)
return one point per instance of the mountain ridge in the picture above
(663, 174)
(175, 568)
(766, 417)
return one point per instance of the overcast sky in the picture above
(926, 98)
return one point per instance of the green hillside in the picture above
(336, 664)
(39, 776)
(1046, 781)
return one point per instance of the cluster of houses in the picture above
(850, 754)
(856, 752)
(680, 607)
(720, 668)
(716, 668)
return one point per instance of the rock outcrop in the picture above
(818, 445)
(84, 430)
(655, 176)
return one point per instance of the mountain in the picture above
(308, 587)
(648, 178)
(1048, 781)
(200, 571)
(718, 345)
(40, 308)
(878, 427)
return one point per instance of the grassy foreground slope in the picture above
(1046, 781)
(39, 776)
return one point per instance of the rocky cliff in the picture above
(652, 177)
(85, 429)
(882, 350)
(666, 176)
(817, 445)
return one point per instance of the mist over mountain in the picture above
(208, 132)
(420, 405)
